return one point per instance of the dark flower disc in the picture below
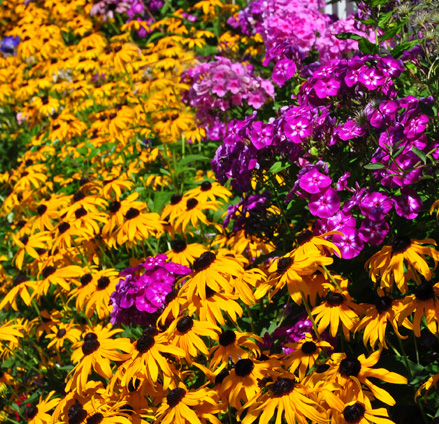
(47, 271)
(308, 348)
(244, 367)
(32, 411)
(96, 418)
(354, 413)
(383, 304)
(304, 236)
(335, 299)
(103, 283)
(185, 324)
(282, 387)
(90, 344)
(145, 343)
(175, 396)
(400, 244)
(132, 213)
(191, 203)
(178, 246)
(349, 366)
(424, 292)
(227, 338)
(206, 186)
(221, 376)
(61, 333)
(283, 264)
(204, 261)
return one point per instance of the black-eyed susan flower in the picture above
(243, 382)
(230, 347)
(21, 287)
(39, 414)
(175, 208)
(193, 213)
(185, 333)
(61, 333)
(338, 309)
(209, 191)
(183, 253)
(57, 276)
(29, 243)
(310, 244)
(348, 370)
(376, 317)
(95, 352)
(286, 399)
(305, 354)
(388, 264)
(181, 405)
(148, 359)
(213, 271)
(10, 332)
(424, 303)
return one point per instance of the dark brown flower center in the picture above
(282, 387)
(304, 237)
(283, 264)
(79, 213)
(244, 367)
(354, 413)
(103, 283)
(424, 292)
(322, 368)
(400, 244)
(227, 338)
(175, 199)
(191, 203)
(206, 186)
(61, 333)
(41, 209)
(20, 278)
(175, 396)
(383, 304)
(76, 414)
(63, 227)
(96, 418)
(91, 344)
(78, 196)
(204, 261)
(171, 296)
(32, 411)
(185, 324)
(335, 299)
(114, 206)
(24, 239)
(178, 246)
(85, 279)
(47, 271)
(308, 348)
(349, 366)
(132, 213)
(145, 343)
(221, 376)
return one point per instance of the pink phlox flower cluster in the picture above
(141, 292)
(107, 8)
(222, 84)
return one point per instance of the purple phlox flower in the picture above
(391, 67)
(337, 221)
(342, 182)
(409, 204)
(261, 134)
(373, 232)
(375, 206)
(297, 128)
(283, 71)
(350, 244)
(408, 55)
(349, 130)
(416, 126)
(314, 182)
(9, 44)
(154, 262)
(356, 198)
(324, 204)
(326, 87)
(371, 78)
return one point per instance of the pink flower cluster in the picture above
(141, 293)
(219, 85)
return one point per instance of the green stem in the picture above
(252, 325)
(331, 277)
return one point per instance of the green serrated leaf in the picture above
(367, 47)
(348, 36)
(374, 166)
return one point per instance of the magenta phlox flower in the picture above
(314, 181)
(350, 244)
(356, 198)
(375, 206)
(391, 67)
(416, 126)
(325, 203)
(409, 204)
(342, 182)
(283, 71)
(350, 130)
(373, 232)
(335, 222)
(326, 87)
(140, 294)
(261, 134)
(371, 78)
(297, 128)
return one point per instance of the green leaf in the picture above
(161, 198)
(384, 19)
(390, 33)
(374, 166)
(379, 2)
(420, 154)
(348, 36)
(367, 47)
(398, 50)
(278, 166)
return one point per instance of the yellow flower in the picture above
(388, 264)
(39, 414)
(95, 352)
